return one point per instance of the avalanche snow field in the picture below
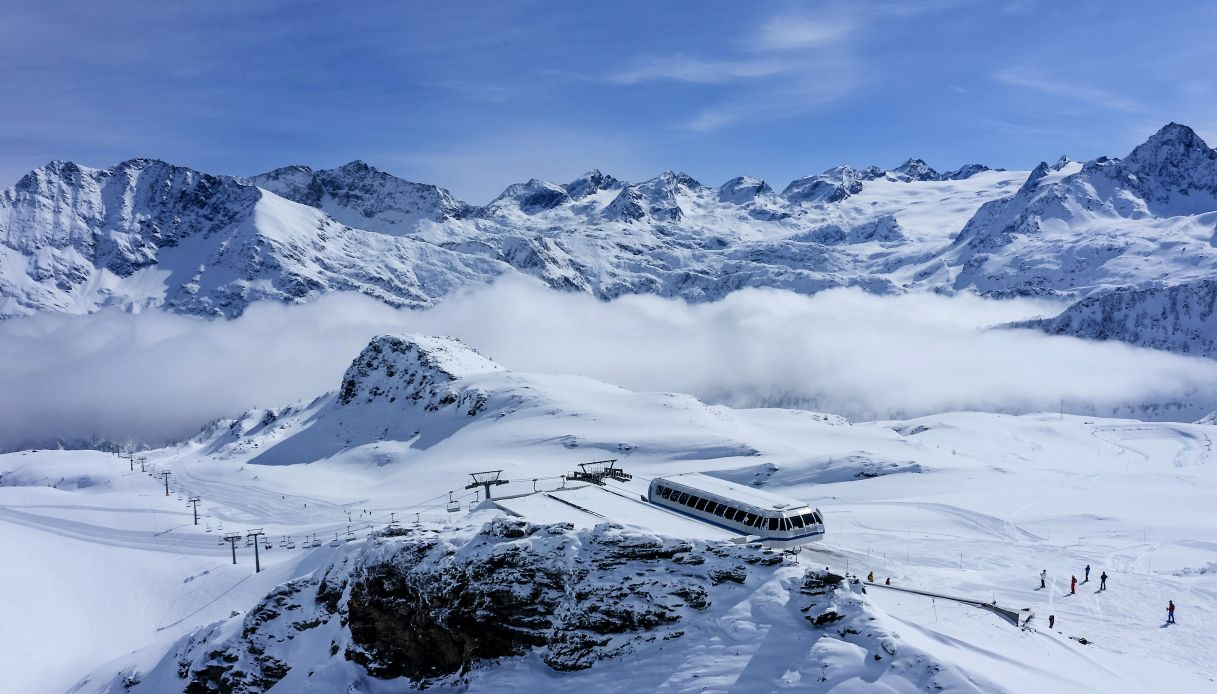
(105, 573)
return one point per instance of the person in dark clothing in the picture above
(888, 582)
(1073, 585)
(1103, 581)
(1170, 612)
(1044, 578)
(1087, 579)
(1051, 620)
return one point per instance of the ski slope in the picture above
(113, 572)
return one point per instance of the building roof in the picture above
(741, 492)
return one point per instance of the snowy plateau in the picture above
(383, 569)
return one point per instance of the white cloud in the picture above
(699, 70)
(1053, 86)
(789, 65)
(791, 32)
(156, 376)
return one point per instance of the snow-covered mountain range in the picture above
(146, 233)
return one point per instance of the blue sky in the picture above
(474, 96)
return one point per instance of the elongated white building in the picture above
(777, 520)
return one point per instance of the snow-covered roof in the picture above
(740, 492)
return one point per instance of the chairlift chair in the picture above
(335, 542)
(290, 544)
(453, 504)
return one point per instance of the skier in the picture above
(870, 577)
(1170, 611)
(1073, 585)
(1087, 574)
(1051, 620)
(888, 582)
(1044, 578)
(1103, 580)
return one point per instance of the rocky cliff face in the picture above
(447, 607)
(417, 369)
(362, 196)
(1180, 319)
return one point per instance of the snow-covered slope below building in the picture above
(968, 504)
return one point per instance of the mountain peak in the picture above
(591, 182)
(533, 196)
(358, 167)
(743, 189)
(916, 170)
(1176, 143)
(413, 368)
(1176, 160)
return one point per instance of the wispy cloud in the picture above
(1050, 85)
(784, 67)
(700, 70)
(793, 32)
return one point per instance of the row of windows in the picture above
(738, 515)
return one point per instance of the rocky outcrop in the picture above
(421, 607)
(426, 606)
(1180, 319)
(416, 369)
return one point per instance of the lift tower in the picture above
(487, 479)
(194, 501)
(165, 476)
(232, 539)
(257, 562)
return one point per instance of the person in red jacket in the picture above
(1073, 585)
(1170, 611)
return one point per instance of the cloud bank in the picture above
(155, 377)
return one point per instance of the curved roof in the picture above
(743, 493)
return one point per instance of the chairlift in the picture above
(209, 527)
(453, 504)
(350, 535)
(283, 541)
(316, 542)
(335, 542)
(290, 544)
